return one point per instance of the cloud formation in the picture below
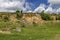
(54, 2)
(40, 8)
(13, 5)
(49, 9)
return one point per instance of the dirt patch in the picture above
(5, 32)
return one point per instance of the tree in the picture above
(17, 11)
(45, 16)
(19, 14)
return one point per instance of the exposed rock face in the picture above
(12, 18)
(37, 18)
(54, 17)
(30, 19)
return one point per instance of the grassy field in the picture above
(47, 31)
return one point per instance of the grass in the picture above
(48, 31)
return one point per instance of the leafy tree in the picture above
(17, 11)
(45, 16)
(19, 14)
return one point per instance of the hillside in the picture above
(25, 17)
(29, 26)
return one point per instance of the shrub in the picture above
(45, 16)
(6, 18)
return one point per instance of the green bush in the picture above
(45, 16)
(6, 18)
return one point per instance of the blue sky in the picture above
(37, 3)
(49, 6)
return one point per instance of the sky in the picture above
(49, 6)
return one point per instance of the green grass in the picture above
(46, 31)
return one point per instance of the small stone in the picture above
(18, 29)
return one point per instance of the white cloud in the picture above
(28, 6)
(29, 11)
(40, 8)
(58, 10)
(54, 2)
(49, 10)
(13, 5)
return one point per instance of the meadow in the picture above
(47, 31)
